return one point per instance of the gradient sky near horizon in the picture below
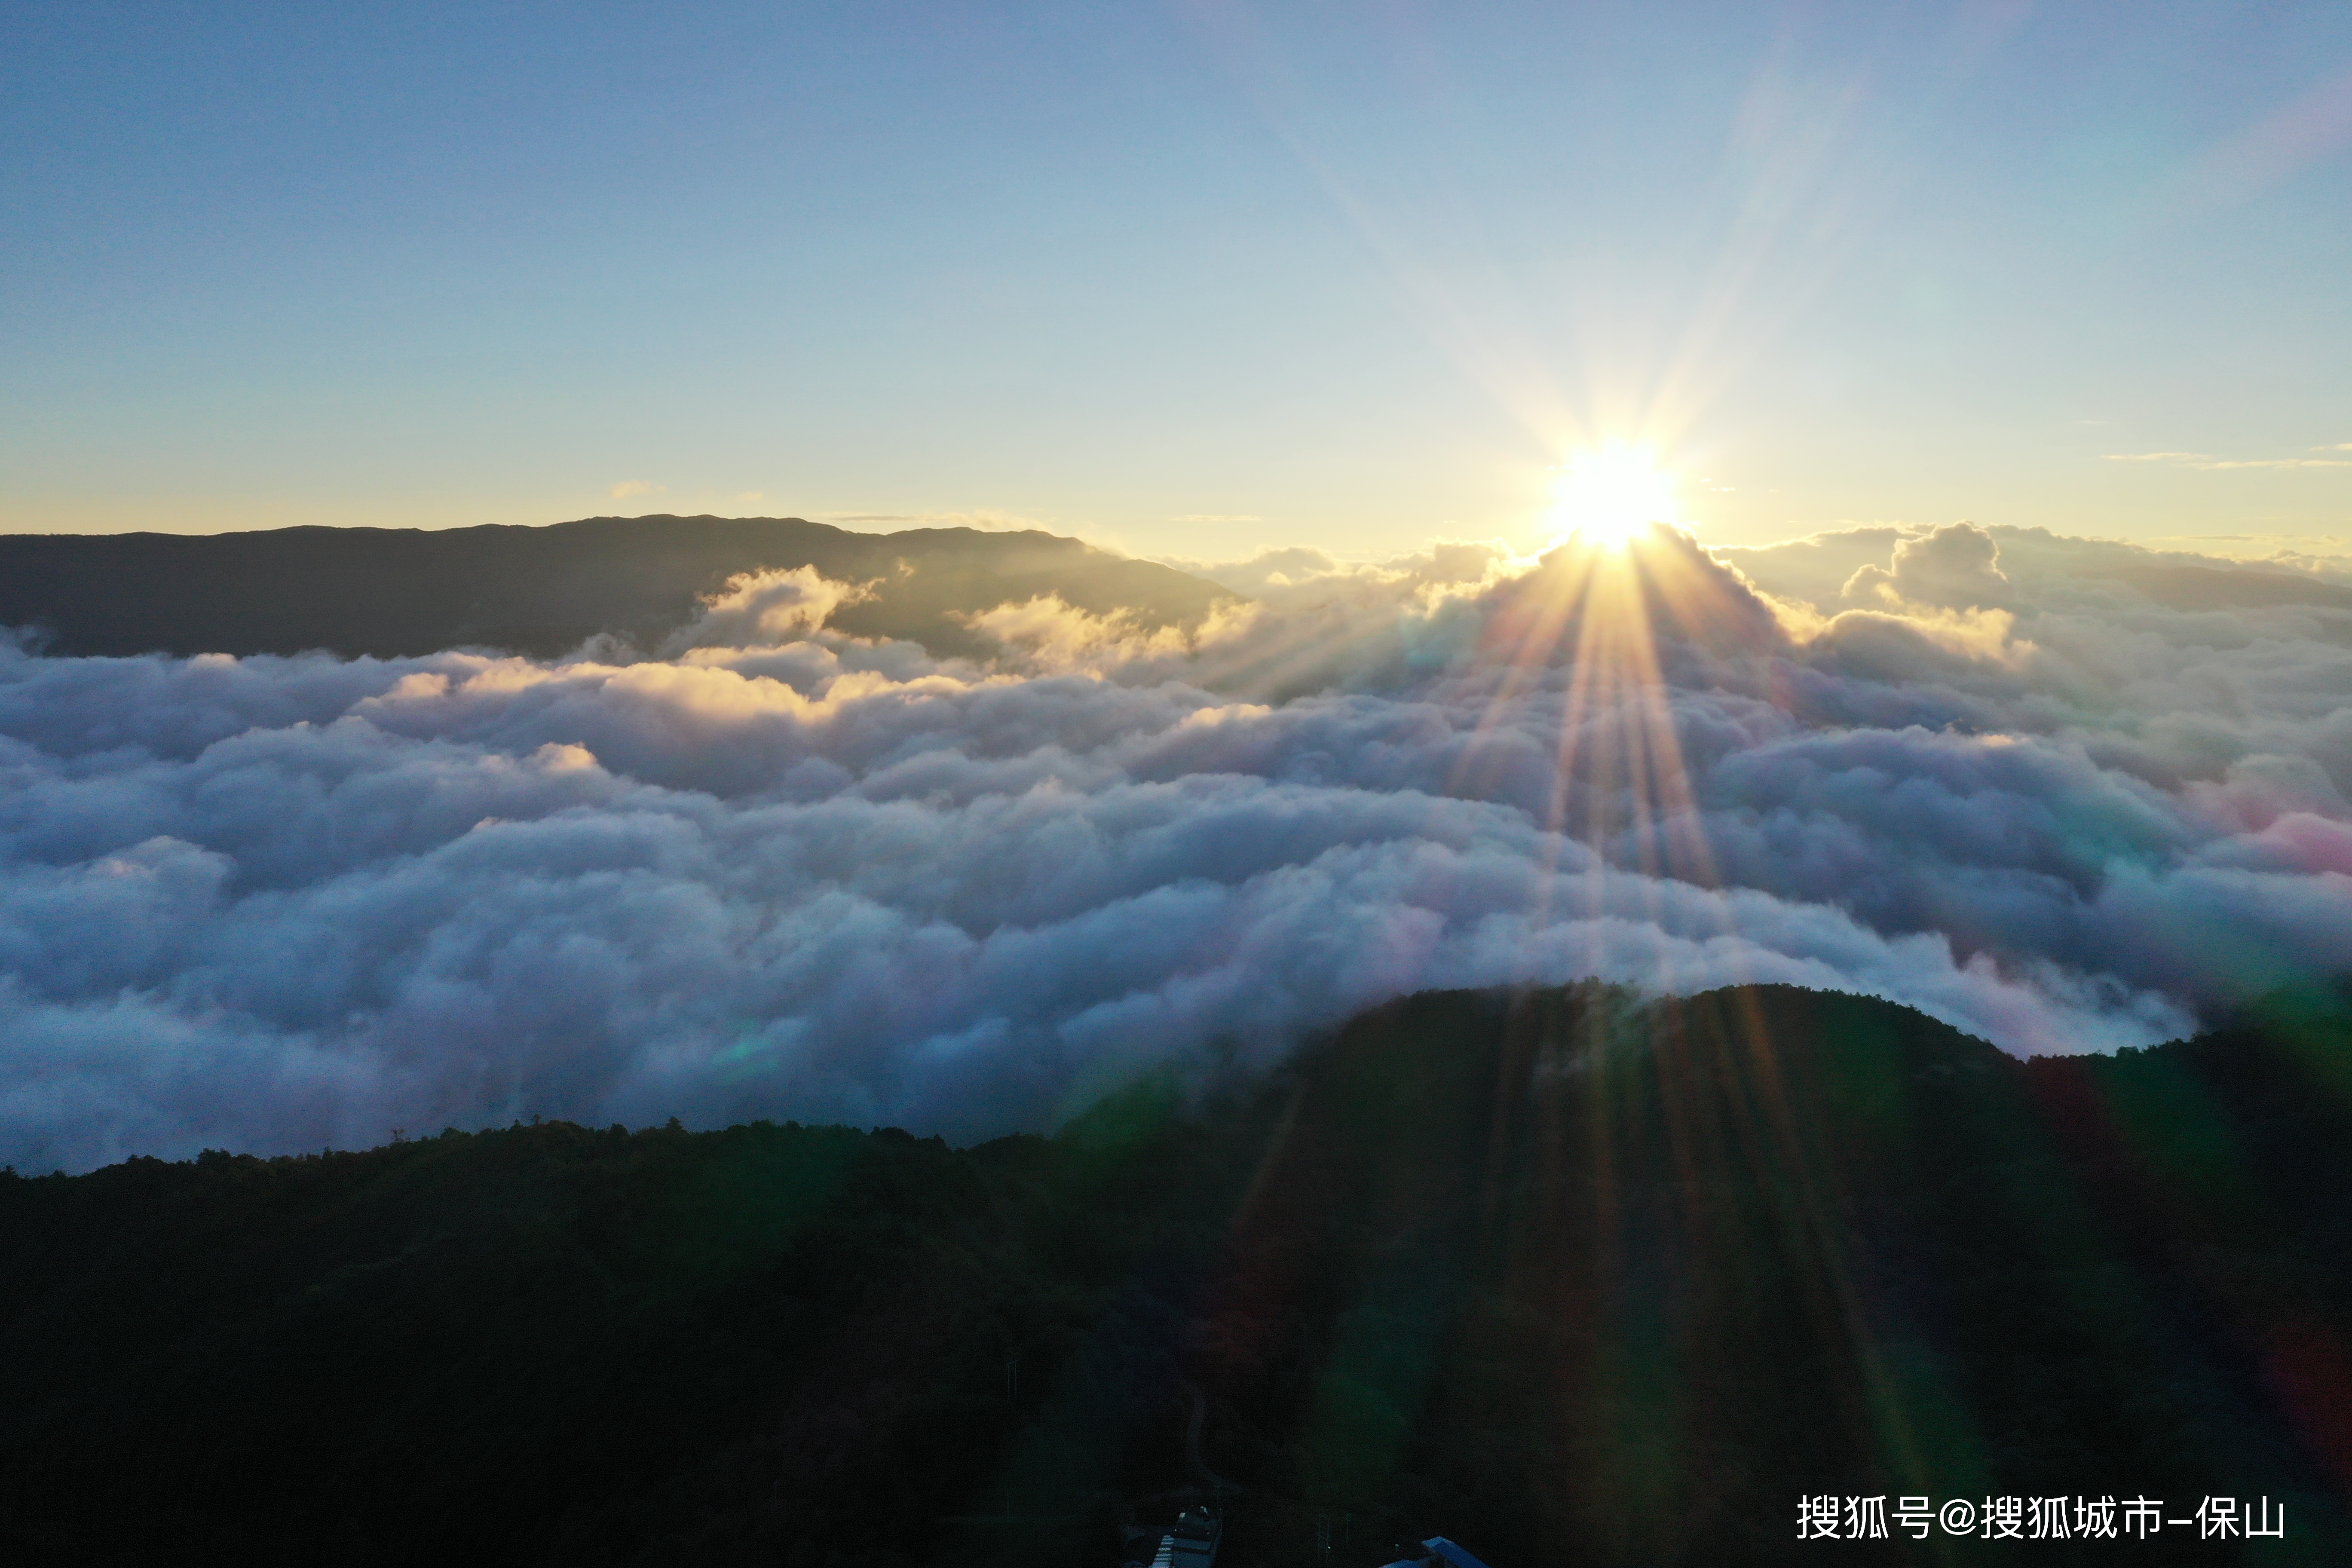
(1183, 279)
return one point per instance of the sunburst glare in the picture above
(1609, 495)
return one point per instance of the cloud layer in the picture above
(770, 870)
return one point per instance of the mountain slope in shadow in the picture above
(1563, 1275)
(538, 591)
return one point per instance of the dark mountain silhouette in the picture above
(538, 591)
(1566, 1277)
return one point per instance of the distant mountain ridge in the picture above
(538, 590)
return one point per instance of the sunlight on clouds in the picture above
(1074, 641)
(1967, 768)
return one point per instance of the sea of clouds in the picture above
(2036, 787)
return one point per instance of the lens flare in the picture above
(1609, 496)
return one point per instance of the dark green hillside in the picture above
(539, 591)
(1568, 1278)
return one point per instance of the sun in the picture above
(1610, 494)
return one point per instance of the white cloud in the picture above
(2207, 460)
(1954, 567)
(2280, 463)
(274, 904)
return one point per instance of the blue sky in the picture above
(1182, 278)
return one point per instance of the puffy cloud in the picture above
(1954, 567)
(1293, 576)
(274, 904)
(765, 609)
(2034, 561)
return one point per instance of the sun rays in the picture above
(1603, 635)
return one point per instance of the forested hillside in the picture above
(1568, 1277)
